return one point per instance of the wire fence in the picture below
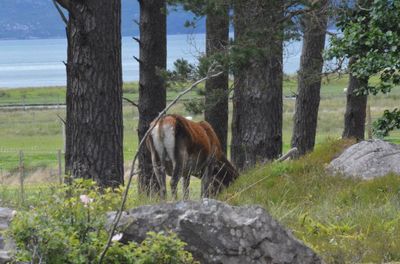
(36, 166)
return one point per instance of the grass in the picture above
(344, 220)
(56, 94)
(332, 87)
(39, 132)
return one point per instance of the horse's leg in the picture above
(159, 170)
(175, 177)
(206, 180)
(163, 176)
(186, 181)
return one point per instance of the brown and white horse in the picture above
(180, 148)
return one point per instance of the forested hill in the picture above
(22, 19)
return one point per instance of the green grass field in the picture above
(39, 132)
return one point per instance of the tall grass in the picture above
(345, 220)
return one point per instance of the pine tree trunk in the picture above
(216, 98)
(309, 80)
(257, 102)
(94, 129)
(354, 118)
(152, 92)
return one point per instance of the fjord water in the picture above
(39, 62)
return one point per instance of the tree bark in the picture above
(257, 102)
(217, 94)
(354, 118)
(94, 129)
(152, 91)
(309, 79)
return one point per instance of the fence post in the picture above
(59, 166)
(21, 175)
(369, 122)
(63, 135)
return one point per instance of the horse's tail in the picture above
(225, 174)
(183, 127)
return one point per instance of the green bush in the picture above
(69, 227)
(195, 107)
(388, 122)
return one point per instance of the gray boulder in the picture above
(216, 232)
(7, 247)
(368, 160)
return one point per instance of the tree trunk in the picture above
(354, 118)
(309, 80)
(216, 98)
(94, 129)
(152, 92)
(257, 102)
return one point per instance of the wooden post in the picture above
(59, 166)
(21, 175)
(369, 122)
(63, 135)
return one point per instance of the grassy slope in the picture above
(344, 220)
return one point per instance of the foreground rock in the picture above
(7, 247)
(218, 233)
(368, 160)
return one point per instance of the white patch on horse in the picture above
(169, 141)
(158, 144)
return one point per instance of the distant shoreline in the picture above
(64, 37)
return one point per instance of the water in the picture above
(37, 63)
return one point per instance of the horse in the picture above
(180, 148)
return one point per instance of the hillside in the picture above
(24, 19)
(344, 220)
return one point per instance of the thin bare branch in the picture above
(137, 40)
(290, 154)
(132, 172)
(62, 119)
(294, 13)
(131, 102)
(66, 4)
(137, 59)
(60, 12)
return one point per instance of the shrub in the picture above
(195, 107)
(388, 122)
(69, 227)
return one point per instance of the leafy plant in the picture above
(69, 227)
(195, 107)
(388, 122)
(370, 35)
